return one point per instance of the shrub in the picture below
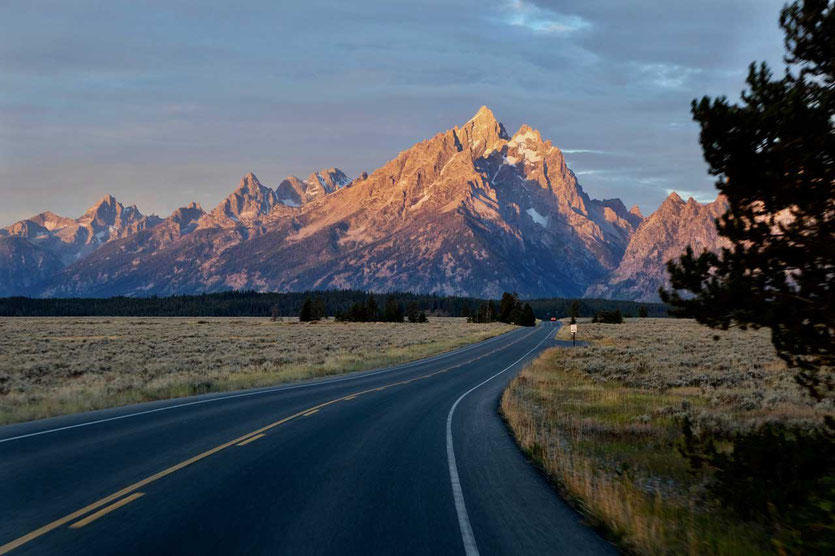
(412, 311)
(608, 317)
(781, 475)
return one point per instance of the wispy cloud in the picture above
(584, 151)
(520, 13)
(112, 97)
(669, 76)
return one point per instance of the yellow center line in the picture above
(174, 468)
(250, 439)
(104, 511)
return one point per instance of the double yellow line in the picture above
(240, 441)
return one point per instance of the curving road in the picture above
(412, 459)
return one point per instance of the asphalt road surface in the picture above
(413, 459)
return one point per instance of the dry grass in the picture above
(603, 422)
(53, 366)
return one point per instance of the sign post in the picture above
(574, 334)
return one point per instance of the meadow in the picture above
(55, 366)
(604, 422)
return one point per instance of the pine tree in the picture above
(526, 316)
(392, 311)
(371, 309)
(318, 309)
(412, 311)
(774, 157)
(466, 311)
(508, 307)
(306, 313)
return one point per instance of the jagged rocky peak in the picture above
(527, 146)
(106, 209)
(250, 184)
(291, 191)
(51, 221)
(191, 211)
(618, 209)
(295, 192)
(673, 200)
(330, 180)
(526, 134)
(636, 211)
(482, 132)
(185, 218)
(109, 219)
(247, 204)
(662, 236)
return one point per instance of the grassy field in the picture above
(604, 423)
(53, 366)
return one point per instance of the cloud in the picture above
(166, 105)
(670, 76)
(520, 13)
(583, 151)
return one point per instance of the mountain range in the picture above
(471, 211)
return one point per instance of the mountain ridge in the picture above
(469, 211)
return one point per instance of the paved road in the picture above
(408, 460)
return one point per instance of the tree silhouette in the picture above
(509, 306)
(774, 157)
(306, 313)
(392, 311)
(412, 311)
(526, 316)
(574, 311)
(371, 309)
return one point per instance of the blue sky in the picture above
(162, 103)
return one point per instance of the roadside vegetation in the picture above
(54, 366)
(678, 439)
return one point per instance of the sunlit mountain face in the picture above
(473, 211)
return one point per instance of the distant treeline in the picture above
(560, 307)
(254, 304)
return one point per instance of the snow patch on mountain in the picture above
(538, 218)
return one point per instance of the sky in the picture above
(163, 103)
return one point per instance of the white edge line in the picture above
(470, 546)
(264, 391)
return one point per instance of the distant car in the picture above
(553, 318)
